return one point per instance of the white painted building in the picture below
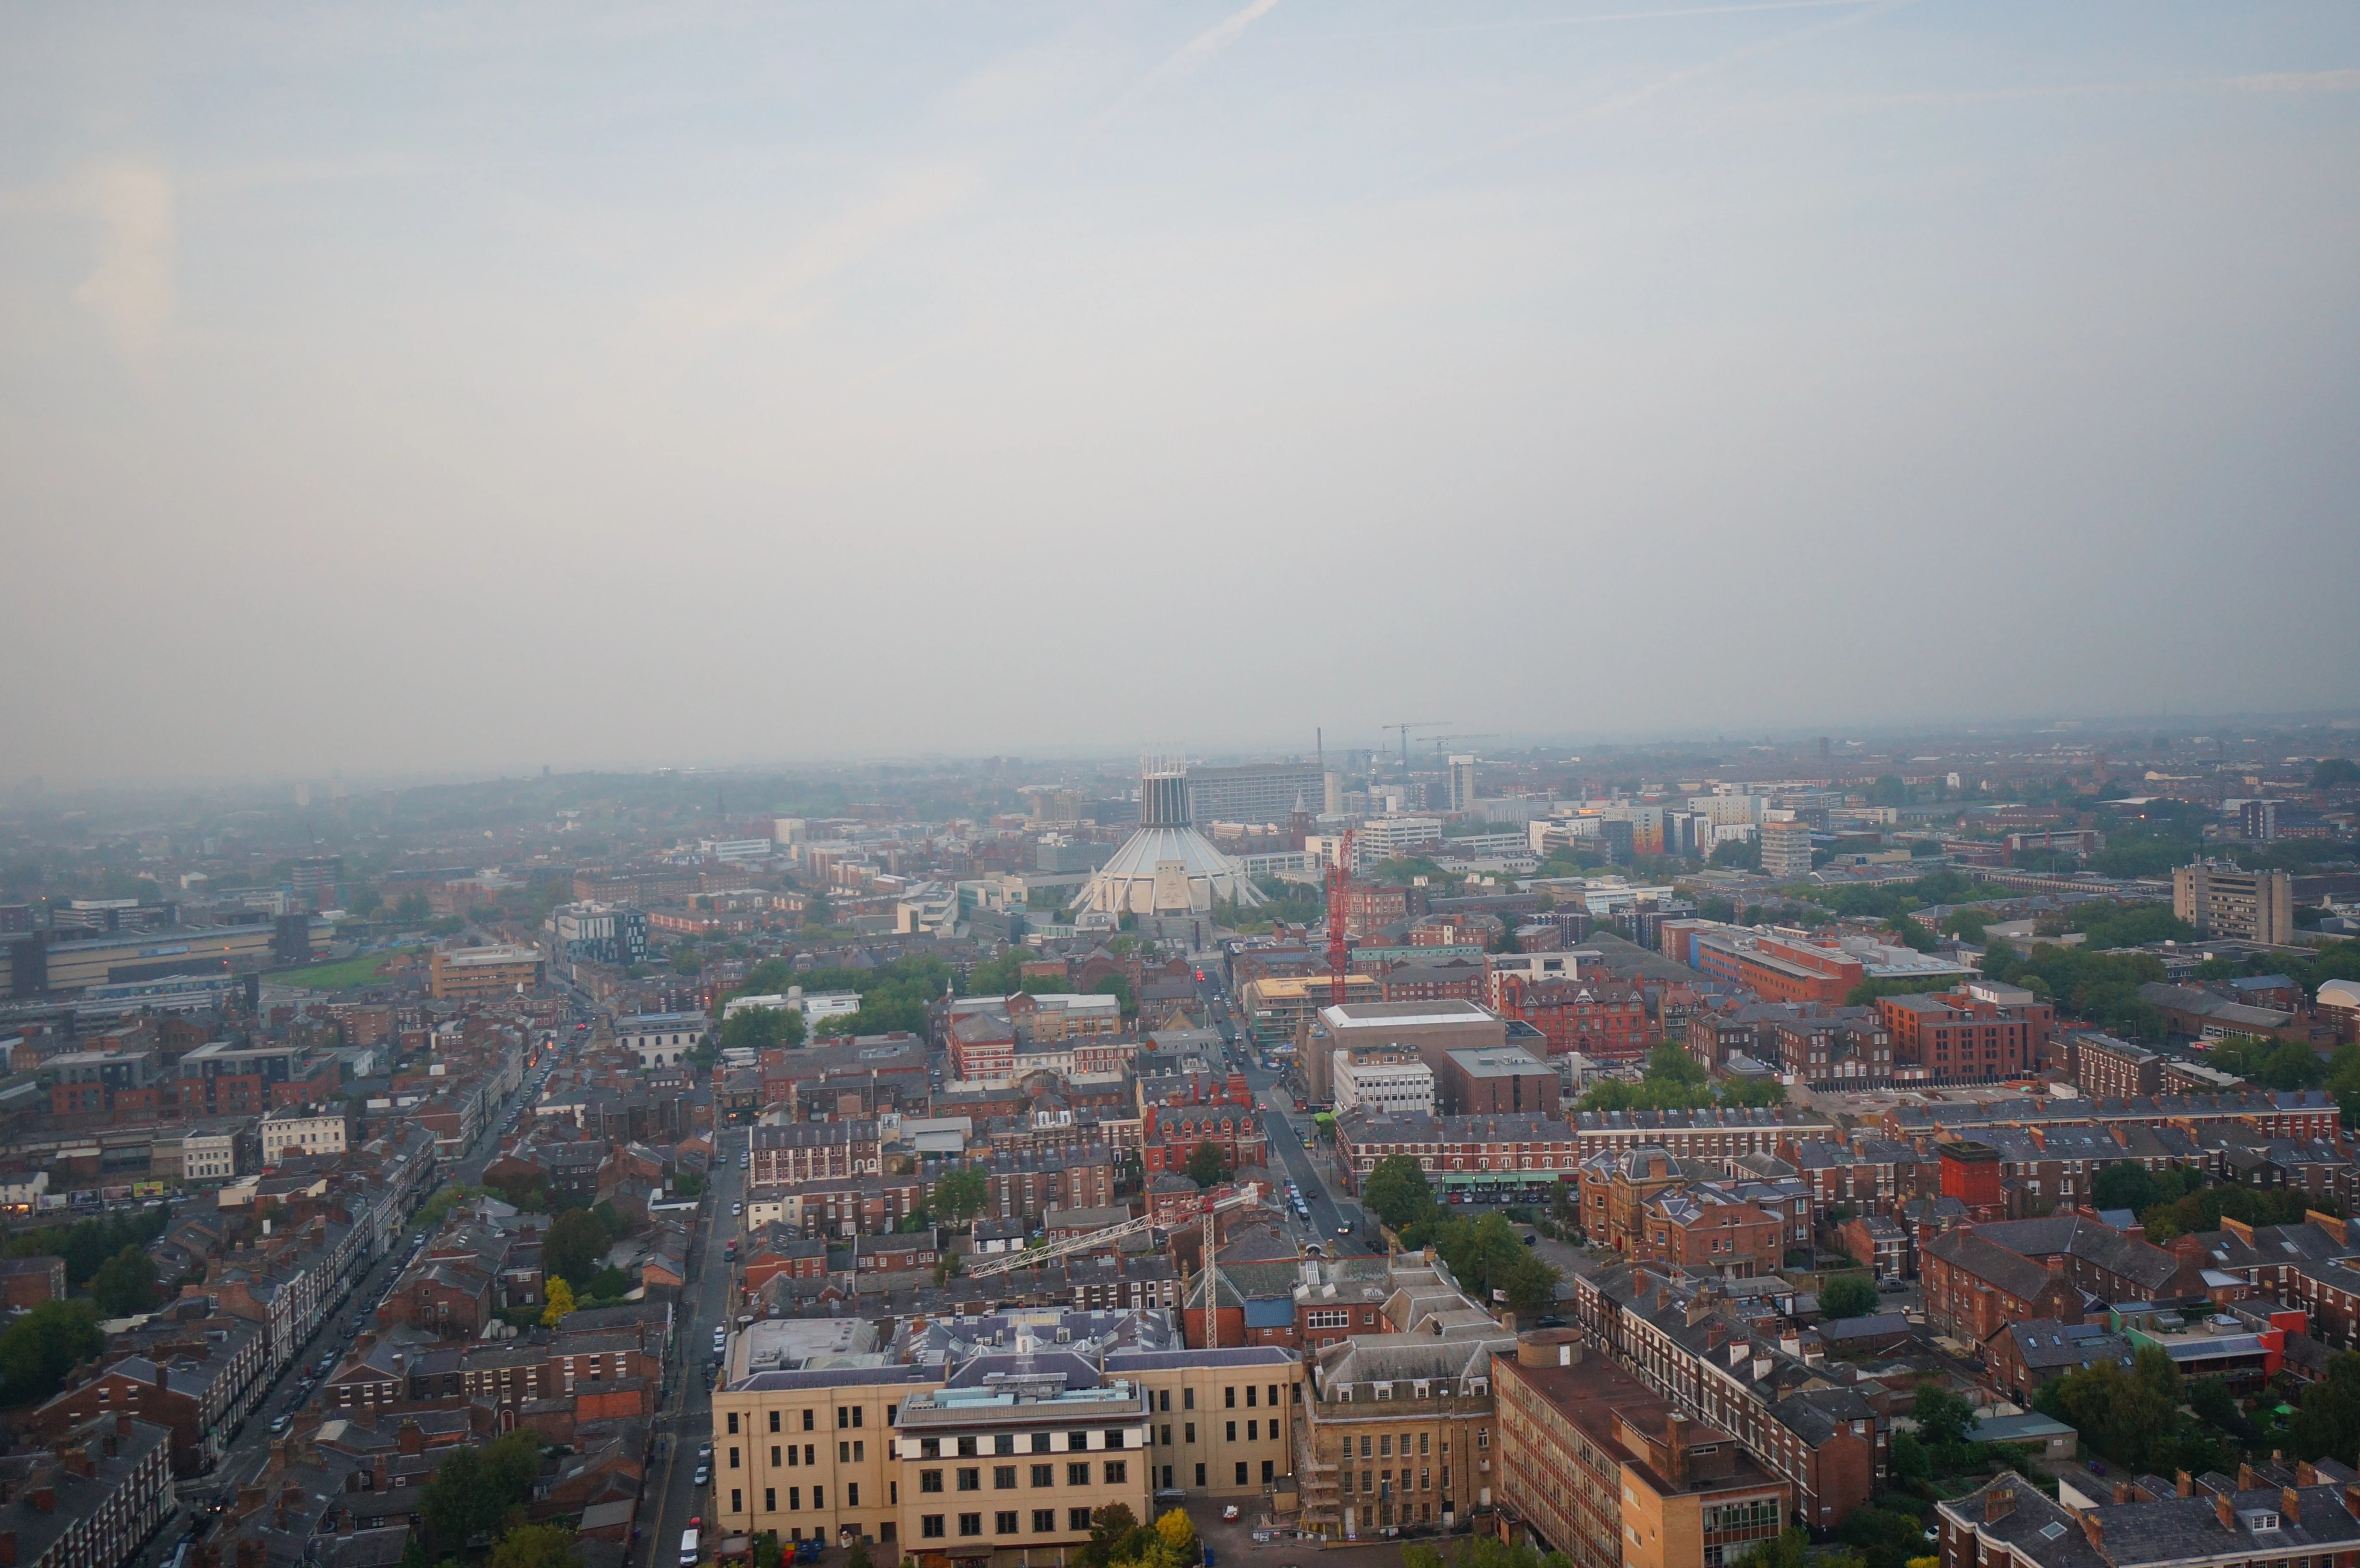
(662, 1040)
(1387, 1079)
(299, 1129)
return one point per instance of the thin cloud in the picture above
(1607, 107)
(132, 290)
(2308, 83)
(1188, 59)
(1519, 24)
(1191, 56)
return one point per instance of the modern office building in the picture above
(1254, 793)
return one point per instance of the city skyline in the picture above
(461, 393)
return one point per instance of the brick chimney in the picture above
(2245, 1482)
(1998, 1503)
(2095, 1528)
(123, 1424)
(2122, 1492)
(2290, 1504)
(1676, 1442)
(2224, 1511)
(2184, 1485)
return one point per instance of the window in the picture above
(1269, 1470)
(1188, 1399)
(1004, 1522)
(1040, 1443)
(1076, 1440)
(843, 1417)
(971, 1479)
(1368, 1447)
(1077, 1518)
(855, 1418)
(1044, 1522)
(1164, 1399)
(1229, 1397)
(1078, 1475)
(970, 1524)
(1242, 1472)
(1200, 1475)
(966, 1448)
(807, 1420)
(852, 1494)
(819, 1495)
(930, 1448)
(770, 1500)
(1230, 1435)
(1192, 1432)
(930, 1480)
(733, 1423)
(733, 1459)
(1117, 1471)
(737, 1500)
(1274, 1396)
(774, 1455)
(1385, 1447)
(931, 1526)
(1045, 1476)
(1003, 1477)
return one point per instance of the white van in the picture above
(688, 1549)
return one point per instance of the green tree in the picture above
(858, 1556)
(575, 1247)
(412, 908)
(535, 1546)
(39, 1348)
(1117, 987)
(961, 1195)
(125, 1284)
(1909, 1459)
(1942, 1416)
(2124, 1185)
(1397, 1192)
(1110, 1528)
(685, 958)
(1205, 1166)
(2335, 773)
(2327, 1423)
(1847, 1296)
(760, 1029)
(608, 1284)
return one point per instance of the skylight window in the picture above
(2051, 1531)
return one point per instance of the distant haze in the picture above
(400, 388)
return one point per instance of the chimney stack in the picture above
(2122, 1491)
(2245, 1482)
(2095, 1528)
(2184, 1485)
(2224, 1511)
(2290, 1505)
(1998, 1503)
(1675, 1439)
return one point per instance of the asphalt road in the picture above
(684, 1422)
(247, 1452)
(1330, 1205)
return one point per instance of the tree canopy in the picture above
(1847, 1296)
(1205, 1166)
(961, 1195)
(40, 1348)
(761, 1029)
(124, 1284)
(1397, 1192)
(575, 1246)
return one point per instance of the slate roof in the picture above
(2011, 1272)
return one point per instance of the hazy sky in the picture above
(388, 388)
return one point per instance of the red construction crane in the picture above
(1339, 890)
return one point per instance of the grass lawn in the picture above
(339, 977)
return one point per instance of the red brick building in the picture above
(1963, 1037)
(1603, 1022)
(1975, 1287)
